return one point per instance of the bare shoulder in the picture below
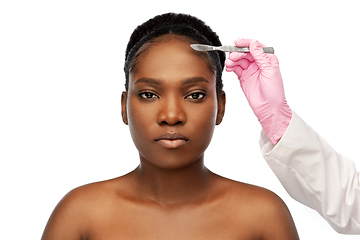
(90, 195)
(265, 212)
(80, 208)
(254, 198)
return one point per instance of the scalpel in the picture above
(202, 47)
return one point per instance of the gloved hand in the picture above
(261, 81)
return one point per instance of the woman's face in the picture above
(171, 105)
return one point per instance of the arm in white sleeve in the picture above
(314, 174)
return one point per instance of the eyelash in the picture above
(196, 93)
(145, 95)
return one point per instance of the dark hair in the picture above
(189, 27)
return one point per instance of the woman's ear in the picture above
(221, 107)
(123, 107)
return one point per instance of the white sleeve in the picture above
(314, 174)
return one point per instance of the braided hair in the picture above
(191, 28)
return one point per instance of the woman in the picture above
(172, 102)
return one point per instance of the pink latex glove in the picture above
(261, 81)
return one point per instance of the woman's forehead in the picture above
(171, 58)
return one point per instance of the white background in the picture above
(61, 72)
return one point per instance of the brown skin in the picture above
(171, 195)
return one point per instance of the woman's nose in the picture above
(172, 112)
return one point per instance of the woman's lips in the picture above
(167, 143)
(171, 140)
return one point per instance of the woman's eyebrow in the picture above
(148, 80)
(194, 80)
(185, 82)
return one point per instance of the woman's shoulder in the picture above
(83, 198)
(260, 209)
(244, 191)
(101, 192)
(261, 200)
(252, 196)
(81, 208)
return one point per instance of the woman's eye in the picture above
(197, 95)
(147, 95)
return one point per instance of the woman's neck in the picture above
(172, 186)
